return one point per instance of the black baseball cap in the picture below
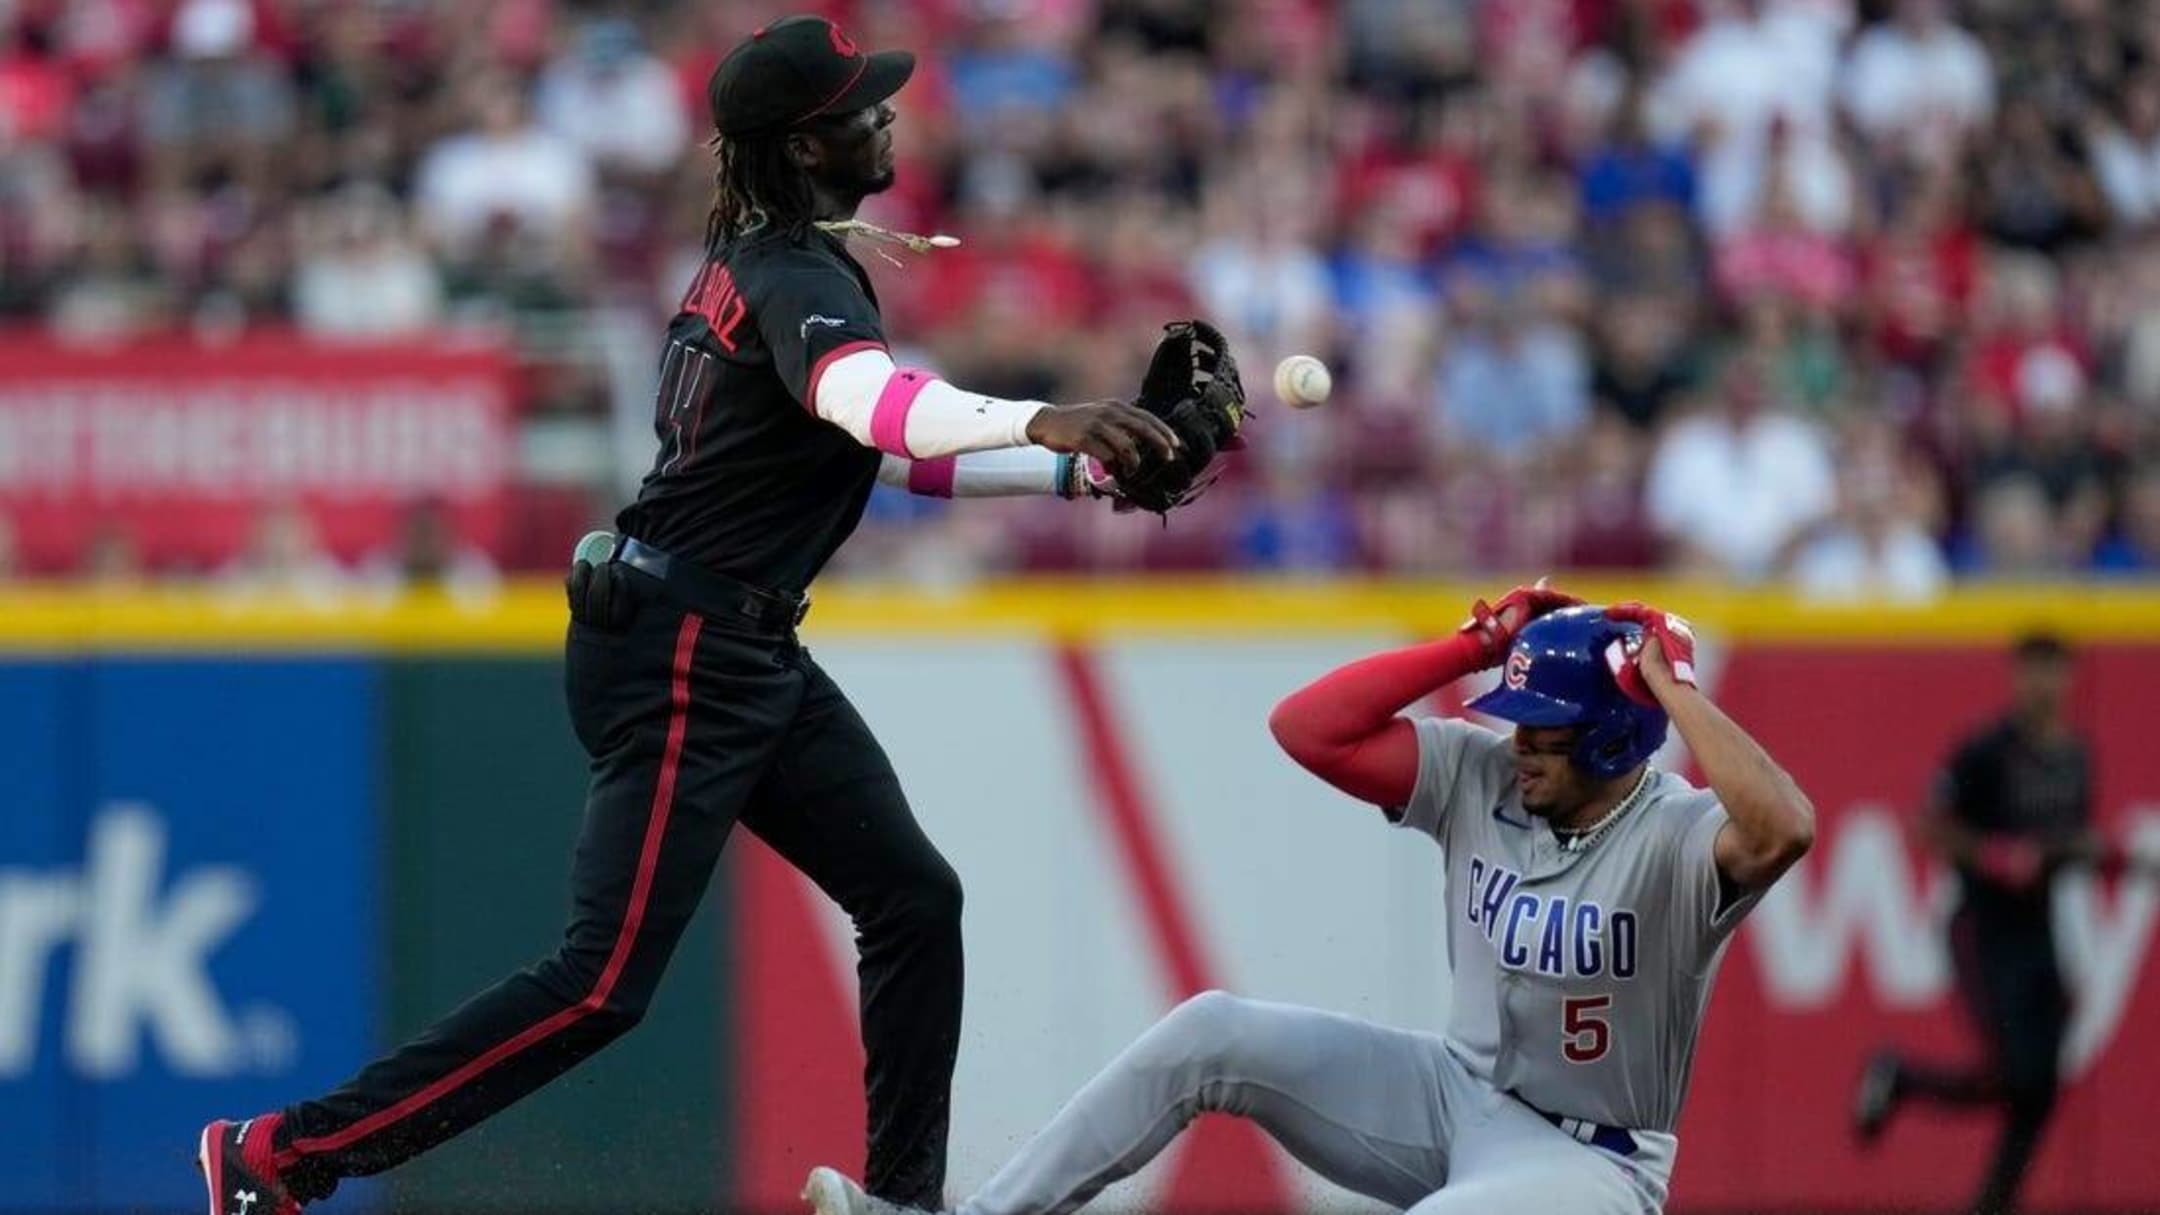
(796, 69)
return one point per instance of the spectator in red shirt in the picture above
(1426, 174)
(1010, 259)
(1918, 277)
(36, 90)
(2024, 352)
(1777, 255)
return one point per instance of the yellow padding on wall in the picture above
(529, 617)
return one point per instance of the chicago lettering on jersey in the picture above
(1549, 934)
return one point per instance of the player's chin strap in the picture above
(920, 244)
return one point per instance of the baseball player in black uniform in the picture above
(2011, 810)
(779, 408)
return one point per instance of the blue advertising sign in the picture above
(188, 923)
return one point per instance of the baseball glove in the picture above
(1192, 385)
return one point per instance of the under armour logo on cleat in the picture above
(246, 1199)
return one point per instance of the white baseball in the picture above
(1302, 381)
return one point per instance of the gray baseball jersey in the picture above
(1580, 976)
(1580, 981)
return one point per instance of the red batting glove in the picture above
(2008, 861)
(1495, 626)
(1676, 641)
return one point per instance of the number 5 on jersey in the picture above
(1585, 1035)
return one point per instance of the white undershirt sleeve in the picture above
(908, 412)
(1007, 473)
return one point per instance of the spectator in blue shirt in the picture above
(2134, 548)
(1632, 170)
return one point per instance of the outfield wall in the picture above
(244, 845)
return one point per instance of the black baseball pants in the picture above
(2009, 979)
(691, 725)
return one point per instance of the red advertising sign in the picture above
(181, 448)
(1847, 955)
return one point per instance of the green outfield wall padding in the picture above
(485, 789)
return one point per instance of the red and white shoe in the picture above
(237, 1170)
(832, 1192)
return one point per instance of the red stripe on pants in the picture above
(625, 938)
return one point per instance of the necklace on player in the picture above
(1579, 838)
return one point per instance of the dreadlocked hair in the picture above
(756, 186)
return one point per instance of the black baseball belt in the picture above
(714, 596)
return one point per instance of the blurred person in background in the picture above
(1014, 279)
(2011, 810)
(1630, 168)
(1523, 250)
(1918, 83)
(111, 559)
(1753, 89)
(37, 89)
(1801, 351)
(1259, 271)
(2013, 535)
(1008, 61)
(358, 274)
(1642, 362)
(1512, 381)
(284, 556)
(1136, 272)
(1411, 527)
(1299, 520)
(502, 172)
(1410, 47)
(1654, 255)
(429, 556)
(614, 101)
(1776, 256)
(1607, 527)
(1732, 485)
(105, 283)
(2126, 320)
(2134, 547)
(1386, 305)
(250, 283)
(623, 108)
(1920, 272)
(2026, 355)
(1877, 546)
(1419, 169)
(2027, 405)
(2036, 188)
(2123, 143)
(222, 95)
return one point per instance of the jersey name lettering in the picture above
(712, 295)
(1549, 934)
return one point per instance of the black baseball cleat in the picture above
(1876, 1097)
(237, 1171)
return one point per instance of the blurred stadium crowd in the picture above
(1865, 295)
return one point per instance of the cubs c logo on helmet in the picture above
(840, 41)
(1517, 674)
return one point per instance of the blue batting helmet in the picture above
(1556, 675)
